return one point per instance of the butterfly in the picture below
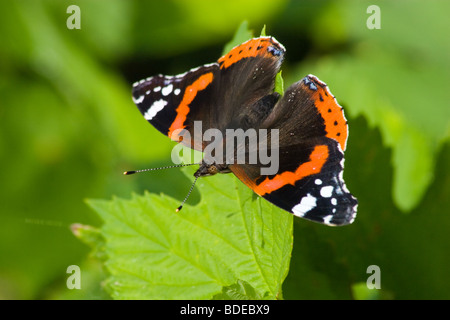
(305, 128)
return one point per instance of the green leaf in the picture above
(241, 290)
(230, 236)
(279, 83)
(263, 31)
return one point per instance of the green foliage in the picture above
(229, 243)
(69, 129)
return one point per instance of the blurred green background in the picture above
(69, 129)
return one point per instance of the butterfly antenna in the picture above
(189, 193)
(160, 168)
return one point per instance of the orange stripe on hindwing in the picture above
(183, 108)
(317, 159)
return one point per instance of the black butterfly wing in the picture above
(173, 103)
(219, 95)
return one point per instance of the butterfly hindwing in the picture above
(312, 138)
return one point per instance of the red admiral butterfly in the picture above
(238, 92)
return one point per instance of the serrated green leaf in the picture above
(92, 237)
(155, 253)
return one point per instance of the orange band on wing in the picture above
(189, 95)
(251, 48)
(316, 161)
